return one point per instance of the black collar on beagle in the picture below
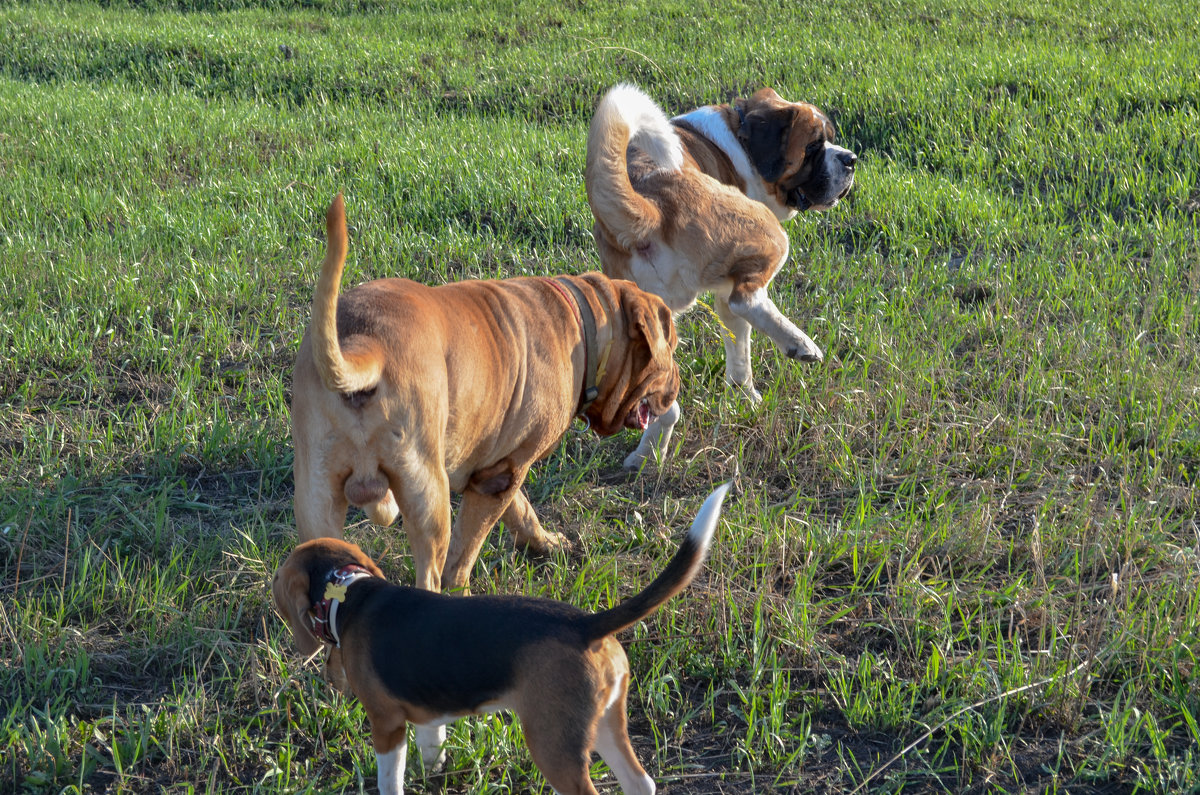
(324, 613)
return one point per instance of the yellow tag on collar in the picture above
(337, 592)
(603, 365)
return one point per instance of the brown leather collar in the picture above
(587, 323)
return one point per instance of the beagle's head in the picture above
(299, 584)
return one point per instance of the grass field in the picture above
(963, 554)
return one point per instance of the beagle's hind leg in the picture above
(558, 702)
(561, 752)
(612, 743)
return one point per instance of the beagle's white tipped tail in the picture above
(705, 522)
(673, 579)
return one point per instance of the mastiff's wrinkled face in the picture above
(642, 378)
(791, 145)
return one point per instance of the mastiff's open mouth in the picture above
(639, 416)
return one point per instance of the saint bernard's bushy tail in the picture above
(626, 115)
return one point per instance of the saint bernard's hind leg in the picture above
(748, 299)
(758, 308)
(736, 335)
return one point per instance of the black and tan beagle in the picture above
(413, 656)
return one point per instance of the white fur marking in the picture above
(655, 439)
(840, 178)
(632, 779)
(430, 738)
(614, 691)
(486, 708)
(706, 519)
(649, 128)
(390, 770)
(709, 122)
(669, 276)
(738, 371)
(762, 313)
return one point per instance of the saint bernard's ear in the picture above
(764, 133)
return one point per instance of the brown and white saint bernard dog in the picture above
(693, 204)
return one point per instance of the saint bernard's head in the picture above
(791, 145)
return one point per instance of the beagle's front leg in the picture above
(391, 755)
(390, 768)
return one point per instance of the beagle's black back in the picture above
(453, 653)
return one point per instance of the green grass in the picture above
(964, 552)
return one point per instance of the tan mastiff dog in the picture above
(403, 393)
(693, 204)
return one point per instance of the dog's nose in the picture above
(848, 160)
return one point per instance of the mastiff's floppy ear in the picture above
(652, 340)
(650, 322)
(764, 133)
(640, 380)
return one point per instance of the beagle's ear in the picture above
(364, 560)
(290, 593)
(764, 134)
(335, 672)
